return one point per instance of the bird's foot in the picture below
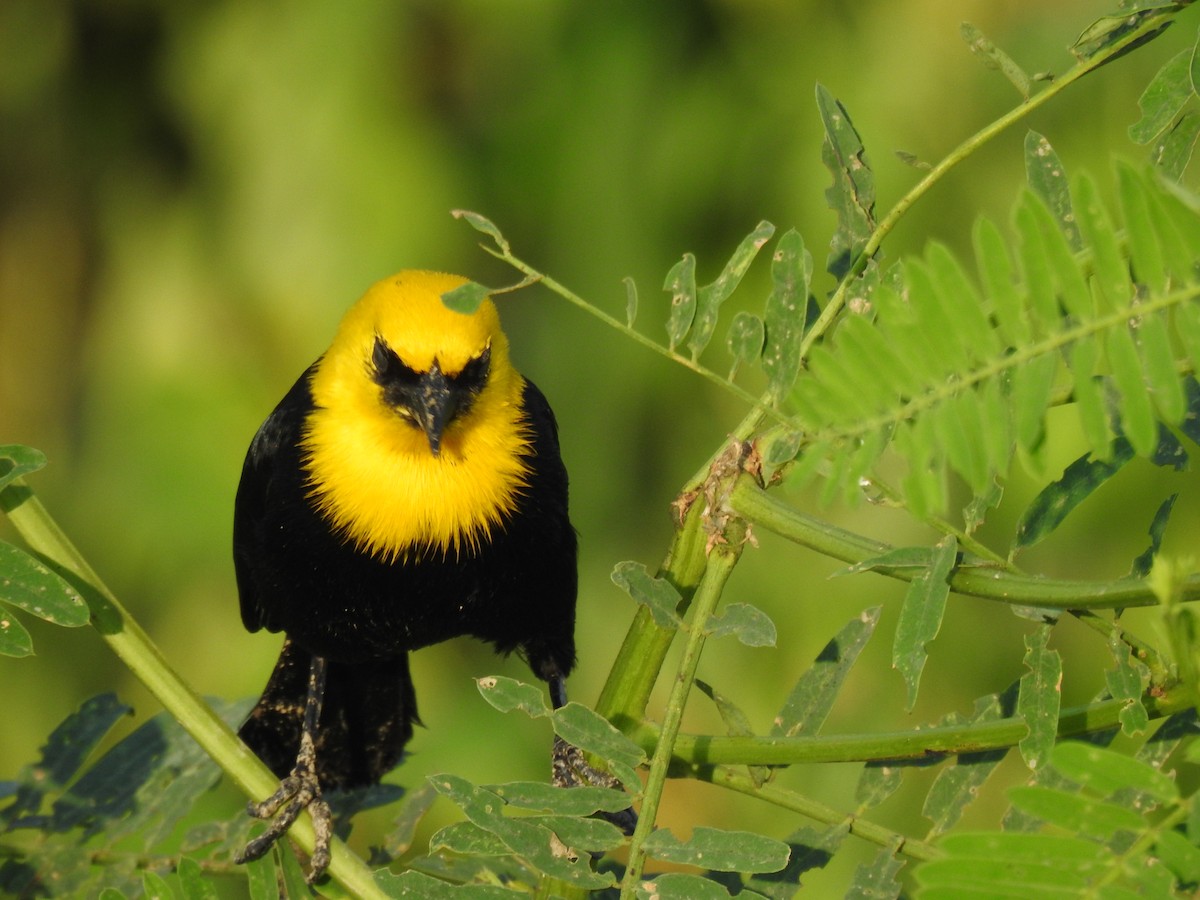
(570, 769)
(297, 792)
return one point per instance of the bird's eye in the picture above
(387, 367)
(474, 374)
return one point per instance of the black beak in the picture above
(436, 404)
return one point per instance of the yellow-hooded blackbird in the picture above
(407, 490)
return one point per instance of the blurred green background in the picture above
(192, 194)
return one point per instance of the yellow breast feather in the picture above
(371, 472)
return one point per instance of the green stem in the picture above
(720, 565)
(570, 296)
(695, 753)
(626, 693)
(767, 511)
(135, 649)
(819, 812)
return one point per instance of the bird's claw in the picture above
(297, 792)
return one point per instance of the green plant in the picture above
(918, 385)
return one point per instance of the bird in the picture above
(407, 490)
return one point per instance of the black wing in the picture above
(273, 457)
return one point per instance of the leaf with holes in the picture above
(17, 460)
(656, 594)
(995, 58)
(812, 698)
(745, 340)
(921, 615)
(710, 297)
(852, 196)
(724, 851)
(785, 313)
(1040, 698)
(681, 282)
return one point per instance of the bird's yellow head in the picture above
(417, 437)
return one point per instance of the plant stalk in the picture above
(135, 649)
(721, 561)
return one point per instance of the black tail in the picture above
(366, 719)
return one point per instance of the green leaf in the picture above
(1106, 771)
(958, 784)
(414, 885)
(999, 282)
(710, 297)
(483, 225)
(877, 782)
(466, 298)
(592, 733)
(852, 195)
(1111, 269)
(1158, 363)
(468, 839)
(864, 347)
(724, 851)
(975, 512)
(1091, 399)
(191, 879)
(785, 313)
(994, 879)
(736, 722)
(1075, 813)
(17, 460)
(15, 640)
(657, 594)
(1146, 256)
(1040, 698)
(157, 887)
(898, 558)
(523, 836)
(1042, 307)
(811, 849)
(812, 698)
(1173, 151)
(681, 282)
(507, 694)
(32, 586)
(681, 886)
(1048, 179)
(747, 623)
(995, 58)
(590, 834)
(1108, 30)
(399, 839)
(1177, 854)
(1137, 416)
(745, 341)
(631, 301)
(1069, 853)
(575, 801)
(1072, 286)
(1127, 682)
(145, 785)
(260, 878)
(65, 751)
(1057, 500)
(1163, 98)
(1158, 527)
(877, 879)
(1032, 385)
(921, 615)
